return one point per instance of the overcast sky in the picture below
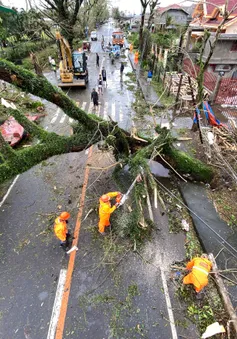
(129, 5)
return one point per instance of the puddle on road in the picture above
(158, 170)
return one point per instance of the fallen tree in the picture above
(88, 130)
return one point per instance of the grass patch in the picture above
(225, 203)
(43, 58)
(165, 100)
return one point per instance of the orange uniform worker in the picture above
(199, 274)
(61, 230)
(136, 56)
(105, 210)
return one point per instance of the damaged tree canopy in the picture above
(89, 130)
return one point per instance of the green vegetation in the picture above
(22, 50)
(185, 164)
(162, 93)
(133, 38)
(43, 58)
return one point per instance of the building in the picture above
(208, 16)
(135, 22)
(177, 14)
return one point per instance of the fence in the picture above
(193, 69)
(227, 93)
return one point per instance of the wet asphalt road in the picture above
(116, 99)
(31, 258)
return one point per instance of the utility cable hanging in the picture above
(218, 235)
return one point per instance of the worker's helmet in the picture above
(105, 198)
(64, 216)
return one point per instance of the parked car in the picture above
(93, 36)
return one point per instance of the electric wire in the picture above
(223, 242)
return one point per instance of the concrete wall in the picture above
(222, 53)
(232, 29)
(179, 17)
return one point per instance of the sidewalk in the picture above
(149, 93)
(195, 197)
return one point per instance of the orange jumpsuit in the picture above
(60, 229)
(136, 56)
(105, 210)
(199, 274)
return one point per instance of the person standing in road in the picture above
(95, 98)
(61, 230)
(149, 77)
(121, 69)
(105, 209)
(100, 84)
(97, 60)
(104, 76)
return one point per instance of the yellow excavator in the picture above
(72, 66)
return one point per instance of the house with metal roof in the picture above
(208, 16)
(177, 14)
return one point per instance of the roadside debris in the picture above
(185, 225)
(213, 329)
(74, 248)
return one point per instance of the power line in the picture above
(218, 235)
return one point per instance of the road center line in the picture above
(57, 304)
(71, 263)
(168, 304)
(9, 190)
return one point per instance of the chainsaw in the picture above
(121, 198)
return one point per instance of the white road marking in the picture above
(106, 107)
(62, 119)
(168, 304)
(99, 110)
(128, 96)
(113, 111)
(120, 114)
(55, 116)
(90, 107)
(57, 304)
(70, 120)
(9, 190)
(83, 106)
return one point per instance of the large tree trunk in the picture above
(90, 129)
(5, 149)
(141, 28)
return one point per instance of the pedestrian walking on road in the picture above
(61, 230)
(100, 84)
(97, 60)
(149, 77)
(104, 76)
(121, 69)
(105, 209)
(95, 98)
(199, 275)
